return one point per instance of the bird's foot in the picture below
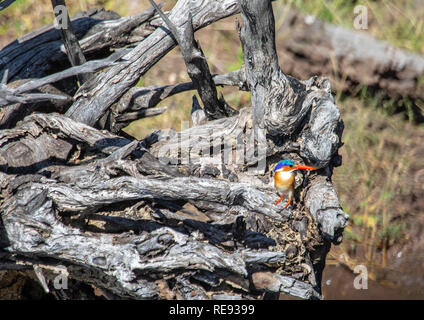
(276, 202)
(288, 202)
(281, 198)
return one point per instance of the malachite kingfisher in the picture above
(284, 178)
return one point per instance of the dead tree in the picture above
(185, 215)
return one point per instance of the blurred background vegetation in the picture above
(380, 183)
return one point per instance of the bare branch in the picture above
(140, 114)
(111, 85)
(14, 95)
(5, 76)
(90, 66)
(148, 97)
(198, 116)
(139, 98)
(197, 67)
(277, 283)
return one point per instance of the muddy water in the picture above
(338, 283)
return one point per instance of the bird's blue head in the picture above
(283, 163)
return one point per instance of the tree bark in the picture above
(187, 215)
(112, 84)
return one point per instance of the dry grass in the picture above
(377, 183)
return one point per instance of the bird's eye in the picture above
(291, 166)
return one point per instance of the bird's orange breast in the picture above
(283, 180)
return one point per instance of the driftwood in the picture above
(112, 84)
(41, 53)
(10, 95)
(21, 102)
(185, 215)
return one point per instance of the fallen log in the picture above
(352, 60)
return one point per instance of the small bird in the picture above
(284, 178)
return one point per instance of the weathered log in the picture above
(187, 215)
(40, 53)
(45, 197)
(93, 100)
(27, 102)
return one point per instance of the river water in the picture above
(338, 283)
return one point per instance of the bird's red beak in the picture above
(301, 167)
